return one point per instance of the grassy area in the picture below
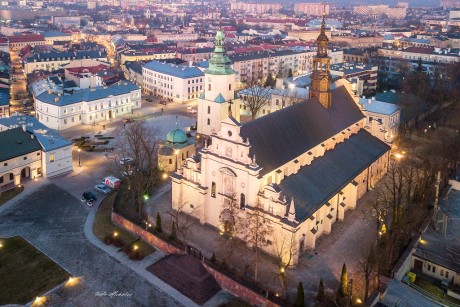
(434, 290)
(7, 195)
(26, 272)
(103, 227)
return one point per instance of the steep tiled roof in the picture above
(15, 142)
(313, 185)
(281, 136)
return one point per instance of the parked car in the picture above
(192, 111)
(125, 161)
(189, 107)
(88, 196)
(163, 102)
(148, 99)
(102, 188)
(127, 120)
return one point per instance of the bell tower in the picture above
(219, 90)
(321, 77)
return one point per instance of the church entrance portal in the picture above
(110, 114)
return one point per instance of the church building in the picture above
(304, 165)
(218, 97)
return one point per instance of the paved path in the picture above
(53, 221)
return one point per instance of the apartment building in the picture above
(51, 61)
(17, 42)
(180, 83)
(366, 73)
(130, 56)
(312, 9)
(255, 8)
(59, 110)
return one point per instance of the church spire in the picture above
(321, 77)
(219, 64)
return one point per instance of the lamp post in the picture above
(79, 161)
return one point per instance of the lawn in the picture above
(7, 195)
(26, 272)
(103, 227)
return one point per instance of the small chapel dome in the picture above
(176, 136)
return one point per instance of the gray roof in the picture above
(378, 107)
(4, 96)
(69, 55)
(313, 185)
(15, 142)
(49, 139)
(282, 136)
(450, 204)
(180, 71)
(89, 94)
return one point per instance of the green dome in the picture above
(177, 136)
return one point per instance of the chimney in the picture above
(24, 127)
(32, 136)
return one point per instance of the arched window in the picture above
(209, 122)
(209, 86)
(209, 110)
(229, 87)
(213, 189)
(242, 201)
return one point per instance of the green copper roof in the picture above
(176, 136)
(219, 99)
(219, 64)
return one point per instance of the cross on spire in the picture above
(230, 102)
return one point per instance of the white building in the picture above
(58, 110)
(382, 118)
(313, 9)
(30, 150)
(302, 167)
(52, 61)
(218, 99)
(180, 83)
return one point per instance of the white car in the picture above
(102, 188)
(125, 161)
(192, 111)
(189, 107)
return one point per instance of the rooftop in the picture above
(378, 107)
(16, 142)
(180, 71)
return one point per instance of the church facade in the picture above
(303, 166)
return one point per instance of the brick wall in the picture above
(224, 281)
(145, 235)
(239, 290)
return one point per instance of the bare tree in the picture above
(285, 249)
(367, 265)
(183, 218)
(257, 232)
(135, 157)
(255, 97)
(233, 224)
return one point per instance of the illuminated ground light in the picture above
(72, 281)
(39, 300)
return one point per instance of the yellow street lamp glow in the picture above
(115, 234)
(135, 247)
(359, 301)
(176, 152)
(422, 241)
(150, 225)
(79, 149)
(282, 269)
(1, 245)
(398, 156)
(165, 175)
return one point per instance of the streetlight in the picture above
(79, 161)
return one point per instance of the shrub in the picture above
(300, 297)
(158, 223)
(321, 296)
(108, 239)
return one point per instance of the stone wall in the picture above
(250, 296)
(145, 235)
(227, 283)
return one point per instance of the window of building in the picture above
(447, 274)
(209, 122)
(52, 157)
(38, 153)
(442, 272)
(170, 161)
(229, 87)
(213, 189)
(242, 200)
(433, 269)
(11, 176)
(25, 158)
(65, 121)
(209, 87)
(5, 164)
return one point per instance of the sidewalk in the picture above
(29, 187)
(140, 268)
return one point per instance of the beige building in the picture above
(255, 8)
(29, 152)
(301, 167)
(313, 9)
